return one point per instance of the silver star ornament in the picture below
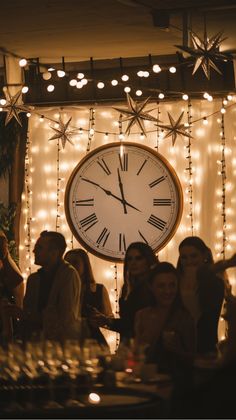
(175, 128)
(135, 114)
(63, 132)
(13, 108)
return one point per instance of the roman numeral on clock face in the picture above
(88, 202)
(101, 240)
(156, 222)
(157, 181)
(161, 201)
(122, 242)
(123, 161)
(104, 166)
(89, 221)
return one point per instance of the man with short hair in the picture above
(52, 300)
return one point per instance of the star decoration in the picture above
(63, 132)
(135, 114)
(206, 52)
(13, 108)
(175, 128)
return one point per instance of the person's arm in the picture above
(14, 279)
(222, 265)
(106, 304)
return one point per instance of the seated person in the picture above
(51, 305)
(93, 295)
(165, 327)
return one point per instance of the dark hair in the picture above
(147, 252)
(166, 267)
(56, 238)
(88, 276)
(199, 244)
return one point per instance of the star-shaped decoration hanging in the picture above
(63, 132)
(12, 107)
(206, 52)
(175, 128)
(136, 114)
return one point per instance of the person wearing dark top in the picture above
(201, 289)
(93, 295)
(135, 293)
(11, 290)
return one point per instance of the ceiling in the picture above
(104, 29)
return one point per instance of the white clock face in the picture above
(123, 193)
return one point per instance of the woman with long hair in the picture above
(202, 290)
(135, 293)
(93, 295)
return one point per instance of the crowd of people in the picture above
(172, 313)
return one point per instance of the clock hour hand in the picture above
(122, 191)
(110, 193)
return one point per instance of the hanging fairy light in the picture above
(189, 168)
(28, 198)
(58, 187)
(91, 128)
(223, 184)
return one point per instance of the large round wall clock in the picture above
(118, 194)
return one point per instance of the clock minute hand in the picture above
(110, 193)
(122, 191)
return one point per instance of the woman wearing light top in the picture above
(93, 295)
(202, 290)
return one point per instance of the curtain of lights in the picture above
(49, 166)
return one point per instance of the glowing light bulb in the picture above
(3, 102)
(185, 97)
(22, 62)
(140, 73)
(146, 74)
(79, 85)
(100, 85)
(172, 69)
(50, 88)
(223, 110)
(84, 81)
(24, 89)
(41, 119)
(28, 114)
(205, 95)
(125, 77)
(61, 73)
(80, 75)
(127, 89)
(205, 121)
(73, 82)
(138, 92)
(114, 82)
(161, 95)
(156, 68)
(229, 97)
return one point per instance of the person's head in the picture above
(49, 248)
(193, 253)
(3, 245)
(80, 261)
(163, 283)
(139, 259)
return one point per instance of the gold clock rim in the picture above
(155, 153)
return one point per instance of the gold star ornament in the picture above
(175, 128)
(13, 108)
(63, 132)
(135, 114)
(206, 52)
